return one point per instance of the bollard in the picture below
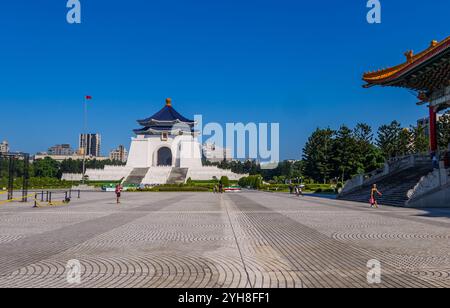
(50, 198)
(42, 196)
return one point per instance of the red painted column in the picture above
(433, 130)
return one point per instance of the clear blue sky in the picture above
(294, 62)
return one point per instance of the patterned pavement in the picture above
(201, 240)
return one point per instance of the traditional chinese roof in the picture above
(166, 120)
(158, 129)
(426, 71)
(167, 115)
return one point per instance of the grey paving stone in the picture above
(201, 240)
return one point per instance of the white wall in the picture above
(139, 156)
(186, 151)
(208, 173)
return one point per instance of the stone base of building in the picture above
(439, 198)
(154, 175)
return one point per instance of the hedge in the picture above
(171, 188)
(181, 189)
(38, 183)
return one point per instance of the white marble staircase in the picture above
(136, 176)
(177, 176)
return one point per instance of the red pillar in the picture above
(433, 130)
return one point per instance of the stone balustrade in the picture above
(393, 165)
(434, 181)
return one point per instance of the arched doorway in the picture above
(164, 157)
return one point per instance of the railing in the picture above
(432, 182)
(49, 196)
(404, 162)
(355, 182)
(393, 165)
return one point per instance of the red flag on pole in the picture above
(88, 97)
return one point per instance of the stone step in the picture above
(394, 188)
(136, 176)
(177, 176)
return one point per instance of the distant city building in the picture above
(90, 145)
(425, 123)
(119, 154)
(292, 161)
(61, 149)
(4, 147)
(216, 154)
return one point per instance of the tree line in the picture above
(328, 156)
(332, 156)
(340, 154)
(50, 168)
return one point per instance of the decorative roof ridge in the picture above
(411, 62)
(177, 121)
(167, 114)
(171, 130)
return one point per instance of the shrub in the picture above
(225, 181)
(252, 181)
(180, 189)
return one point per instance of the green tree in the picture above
(421, 142)
(72, 166)
(369, 157)
(405, 144)
(444, 131)
(345, 158)
(285, 169)
(388, 139)
(298, 169)
(317, 155)
(47, 168)
(363, 134)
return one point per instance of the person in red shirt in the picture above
(118, 192)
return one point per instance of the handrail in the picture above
(393, 165)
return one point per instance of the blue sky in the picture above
(298, 63)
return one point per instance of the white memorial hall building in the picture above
(165, 151)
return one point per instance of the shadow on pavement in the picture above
(435, 213)
(322, 196)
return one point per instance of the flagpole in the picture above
(85, 139)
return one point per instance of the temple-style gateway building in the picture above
(427, 73)
(165, 151)
(411, 181)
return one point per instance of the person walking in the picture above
(374, 193)
(220, 187)
(291, 189)
(300, 191)
(118, 192)
(435, 162)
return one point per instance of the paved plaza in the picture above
(202, 240)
